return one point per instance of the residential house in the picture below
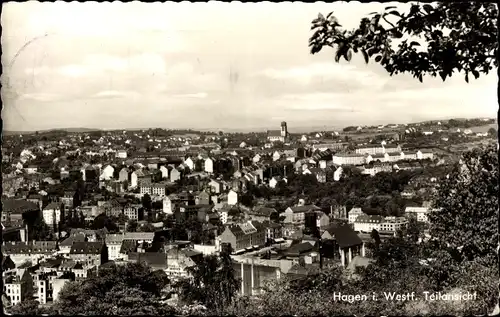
(114, 241)
(21, 252)
(31, 169)
(18, 285)
(317, 172)
(67, 199)
(107, 173)
(122, 154)
(242, 236)
(157, 189)
(53, 214)
(139, 177)
(164, 172)
(179, 260)
(168, 206)
(209, 165)
(203, 198)
(393, 224)
(65, 246)
(175, 175)
(353, 214)
(348, 159)
(419, 213)
(189, 162)
(156, 260)
(344, 242)
(123, 175)
(89, 253)
(366, 223)
(232, 198)
(216, 186)
(262, 214)
(275, 180)
(132, 211)
(296, 215)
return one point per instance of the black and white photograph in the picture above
(250, 159)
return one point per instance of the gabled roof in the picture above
(18, 206)
(128, 246)
(24, 248)
(344, 235)
(263, 211)
(86, 248)
(72, 239)
(299, 248)
(297, 209)
(52, 206)
(154, 259)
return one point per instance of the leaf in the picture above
(390, 7)
(320, 16)
(397, 34)
(337, 55)
(372, 13)
(396, 13)
(378, 58)
(428, 8)
(414, 43)
(365, 55)
(475, 73)
(420, 78)
(348, 55)
(443, 75)
(467, 78)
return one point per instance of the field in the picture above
(484, 128)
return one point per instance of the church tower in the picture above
(284, 132)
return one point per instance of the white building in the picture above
(232, 197)
(367, 223)
(419, 213)
(354, 213)
(53, 214)
(107, 173)
(167, 206)
(209, 165)
(393, 224)
(189, 163)
(338, 174)
(121, 154)
(164, 172)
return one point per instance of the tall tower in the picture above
(284, 131)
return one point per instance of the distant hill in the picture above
(69, 130)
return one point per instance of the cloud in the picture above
(111, 94)
(345, 77)
(200, 95)
(43, 97)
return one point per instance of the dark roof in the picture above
(72, 239)
(128, 246)
(86, 248)
(344, 235)
(154, 259)
(263, 211)
(53, 206)
(299, 248)
(23, 247)
(18, 205)
(305, 208)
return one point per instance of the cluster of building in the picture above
(196, 180)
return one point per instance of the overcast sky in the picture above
(205, 65)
